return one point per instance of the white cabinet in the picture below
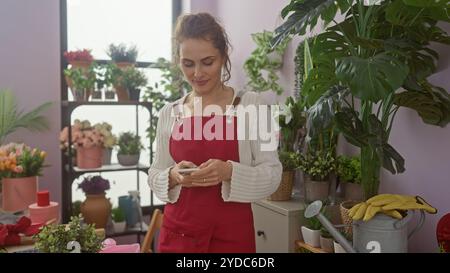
(277, 224)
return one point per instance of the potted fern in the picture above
(379, 54)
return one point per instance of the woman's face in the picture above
(201, 64)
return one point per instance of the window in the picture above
(95, 24)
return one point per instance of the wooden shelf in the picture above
(301, 244)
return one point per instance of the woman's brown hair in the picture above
(203, 26)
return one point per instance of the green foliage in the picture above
(55, 238)
(379, 54)
(349, 169)
(168, 89)
(129, 144)
(313, 223)
(122, 53)
(289, 160)
(76, 208)
(32, 162)
(83, 80)
(133, 78)
(291, 120)
(260, 61)
(118, 215)
(11, 118)
(317, 165)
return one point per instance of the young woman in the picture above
(209, 209)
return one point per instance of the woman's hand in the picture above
(176, 178)
(211, 173)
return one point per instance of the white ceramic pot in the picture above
(120, 226)
(338, 248)
(311, 237)
(326, 244)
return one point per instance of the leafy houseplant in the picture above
(168, 89)
(81, 81)
(122, 54)
(56, 238)
(379, 55)
(12, 118)
(129, 149)
(311, 232)
(260, 61)
(133, 80)
(291, 121)
(348, 169)
(118, 216)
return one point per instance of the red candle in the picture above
(43, 198)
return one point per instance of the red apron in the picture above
(200, 221)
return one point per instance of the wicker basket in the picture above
(284, 191)
(346, 219)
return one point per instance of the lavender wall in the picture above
(29, 54)
(425, 148)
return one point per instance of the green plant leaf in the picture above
(305, 13)
(12, 119)
(427, 3)
(373, 78)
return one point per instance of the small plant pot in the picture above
(97, 95)
(89, 158)
(128, 160)
(353, 191)
(338, 248)
(316, 190)
(326, 244)
(110, 95)
(134, 94)
(311, 237)
(120, 226)
(107, 152)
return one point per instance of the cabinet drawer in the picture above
(271, 230)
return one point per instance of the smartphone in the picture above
(187, 171)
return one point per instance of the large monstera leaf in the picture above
(432, 103)
(373, 78)
(305, 13)
(349, 124)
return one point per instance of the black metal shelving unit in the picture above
(70, 172)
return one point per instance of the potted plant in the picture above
(122, 55)
(56, 238)
(107, 77)
(265, 60)
(379, 54)
(82, 82)
(118, 216)
(289, 160)
(79, 58)
(95, 208)
(317, 167)
(311, 232)
(13, 118)
(129, 149)
(88, 142)
(20, 167)
(348, 170)
(109, 141)
(326, 240)
(170, 87)
(133, 80)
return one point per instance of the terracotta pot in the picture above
(89, 158)
(96, 209)
(122, 93)
(123, 65)
(284, 191)
(19, 193)
(316, 190)
(353, 191)
(80, 64)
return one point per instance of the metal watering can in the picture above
(381, 234)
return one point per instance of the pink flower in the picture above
(18, 169)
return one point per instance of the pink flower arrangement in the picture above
(19, 160)
(83, 135)
(79, 55)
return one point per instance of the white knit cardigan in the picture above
(256, 176)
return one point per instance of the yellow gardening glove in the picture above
(389, 204)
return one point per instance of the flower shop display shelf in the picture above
(70, 172)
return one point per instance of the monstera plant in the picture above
(367, 65)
